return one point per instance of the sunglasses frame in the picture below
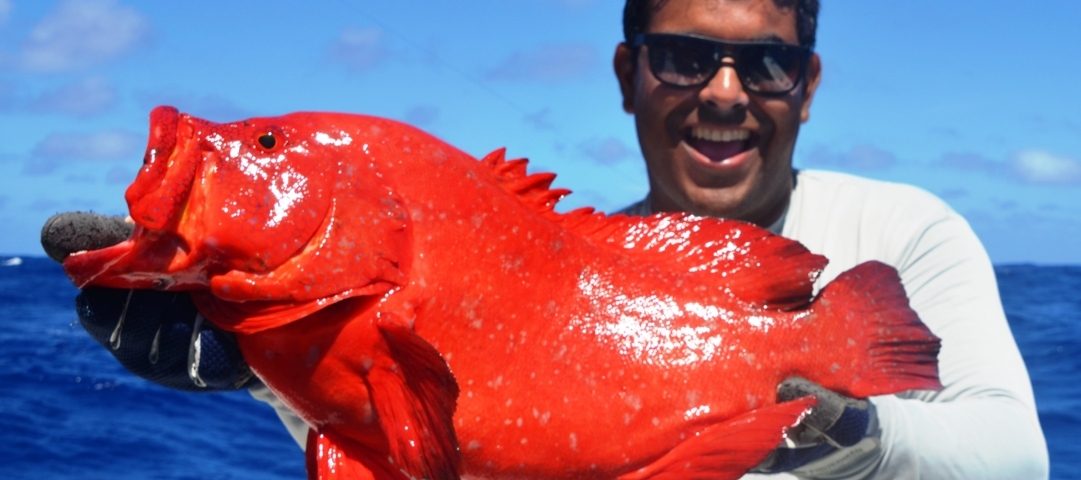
(727, 49)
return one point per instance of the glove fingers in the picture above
(835, 418)
(147, 331)
(69, 232)
(217, 361)
(835, 422)
(141, 311)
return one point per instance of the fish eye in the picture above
(267, 140)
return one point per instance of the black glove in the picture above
(156, 335)
(834, 423)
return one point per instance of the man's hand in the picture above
(156, 335)
(836, 422)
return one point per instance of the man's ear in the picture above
(811, 80)
(624, 64)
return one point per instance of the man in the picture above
(719, 89)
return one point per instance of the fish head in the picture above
(253, 210)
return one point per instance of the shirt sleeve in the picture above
(983, 423)
(296, 427)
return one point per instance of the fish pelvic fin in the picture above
(727, 450)
(414, 398)
(879, 344)
(334, 458)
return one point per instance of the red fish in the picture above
(431, 315)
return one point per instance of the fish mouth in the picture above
(155, 255)
(146, 260)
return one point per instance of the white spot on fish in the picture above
(693, 412)
(752, 401)
(325, 139)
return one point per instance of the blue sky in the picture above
(976, 101)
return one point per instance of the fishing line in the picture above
(553, 131)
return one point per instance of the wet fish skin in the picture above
(431, 314)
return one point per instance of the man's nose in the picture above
(724, 91)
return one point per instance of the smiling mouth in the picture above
(719, 144)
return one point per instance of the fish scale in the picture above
(430, 314)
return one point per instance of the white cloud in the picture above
(605, 151)
(83, 98)
(106, 145)
(5, 10)
(577, 3)
(359, 48)
(1038, 166)
(859, 157)
(421, 115)
(67, 149)
(82, 33)
(212, 107)
(549, 63)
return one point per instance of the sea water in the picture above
(68, 410)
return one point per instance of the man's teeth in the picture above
(717, 135)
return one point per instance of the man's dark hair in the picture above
(637, 13)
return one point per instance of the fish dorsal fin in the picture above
(532, 189)
(756, 265)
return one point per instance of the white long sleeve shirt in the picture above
(983, 423)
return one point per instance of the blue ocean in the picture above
(69, 411)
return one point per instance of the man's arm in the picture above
(983, 423)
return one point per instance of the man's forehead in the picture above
(757, 20)
(721, 5)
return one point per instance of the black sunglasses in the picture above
(765, 68)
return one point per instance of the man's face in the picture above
(717, 149)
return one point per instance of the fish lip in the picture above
(154, 183)
(143, 261)
(89, 265)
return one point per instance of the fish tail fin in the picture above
(414, 399)
(330, 458)
(879, 345)
(729, 449)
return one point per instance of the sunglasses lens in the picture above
(682, 61)
(687, 61)
(770, 68)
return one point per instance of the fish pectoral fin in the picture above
(414, 400)
(330, 458)
(728, 449)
